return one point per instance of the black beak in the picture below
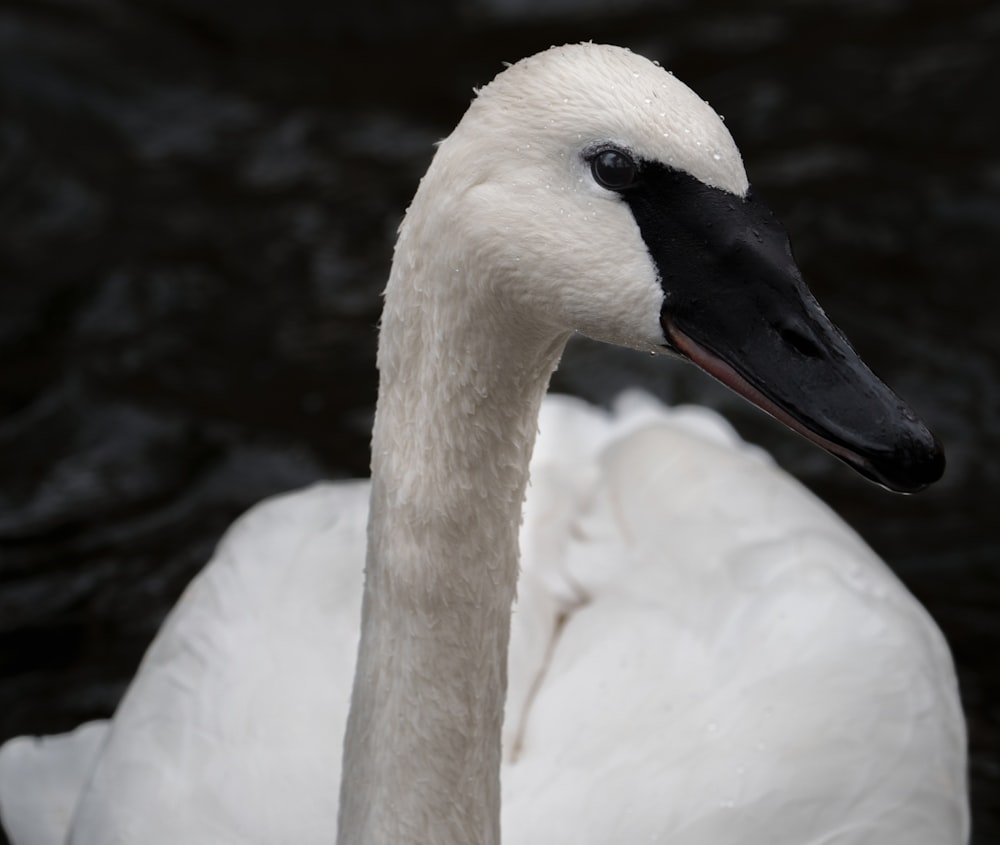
(736, 305)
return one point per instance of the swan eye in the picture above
(613, 169)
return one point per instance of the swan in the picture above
(700, 651)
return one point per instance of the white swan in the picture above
(701, 653)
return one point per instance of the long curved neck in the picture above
(457, 414)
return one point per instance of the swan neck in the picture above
(455, 425)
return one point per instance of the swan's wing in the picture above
(566, 479)
(738, 667)
(41, 780)
(232, 728)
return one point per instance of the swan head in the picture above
(588, 190)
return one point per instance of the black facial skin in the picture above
(735, 303)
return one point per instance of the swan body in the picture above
(729, 643)
(700, 650)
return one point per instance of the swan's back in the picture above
(702, 652)
(774, 679)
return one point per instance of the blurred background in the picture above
(198, 201)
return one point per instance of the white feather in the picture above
(40, 782)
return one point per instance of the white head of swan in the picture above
(585, 190)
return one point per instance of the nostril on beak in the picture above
(800, 339)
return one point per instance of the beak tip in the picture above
(916, 463)
(933, 462)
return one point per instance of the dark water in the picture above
(197, 207)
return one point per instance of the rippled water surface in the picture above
(197, 208)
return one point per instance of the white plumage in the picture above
(701, 652)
